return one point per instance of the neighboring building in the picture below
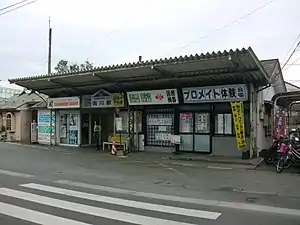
(187, 96)
(8, 92)
(16, 115)
(291, 87)
(265, 122)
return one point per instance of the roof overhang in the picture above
(286, 99)
(240, 66)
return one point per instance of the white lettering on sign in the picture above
(237, 92)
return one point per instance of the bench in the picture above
(123, 144)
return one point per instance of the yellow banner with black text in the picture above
(238, 120)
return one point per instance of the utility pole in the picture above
(50, 46)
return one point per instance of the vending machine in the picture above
(34, 132)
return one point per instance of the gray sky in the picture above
(118, 31)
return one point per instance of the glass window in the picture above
(8, 122)
(186, 123)
(223, 124)
(202, 123)
(159, 128)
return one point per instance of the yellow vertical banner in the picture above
(238, 120)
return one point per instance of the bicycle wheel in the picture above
(280, 165)
(288, 164)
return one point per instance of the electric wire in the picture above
(21, 6)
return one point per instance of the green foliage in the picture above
(63, 66)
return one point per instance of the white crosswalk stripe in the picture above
(43, 218)
(34, 216)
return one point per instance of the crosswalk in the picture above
(56, 205)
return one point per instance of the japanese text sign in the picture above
(154, 97)
(236, 92)
(63, 103)
(113, 100)
(238, 120)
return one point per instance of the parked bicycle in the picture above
(290, 155)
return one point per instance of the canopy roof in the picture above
(227, 67)
(285, 99)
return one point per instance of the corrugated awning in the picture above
(240, 66)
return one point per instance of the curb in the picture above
(216, 161)
(258, 164)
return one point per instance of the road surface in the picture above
(38, 186)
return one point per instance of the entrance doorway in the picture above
(95, 120)
(85, 129)
(68, 128)
(194, 129)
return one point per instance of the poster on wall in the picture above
(45, 133)
(238, 120)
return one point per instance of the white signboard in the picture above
(119, 124)
(63, 103)
(154, 97)
(224, 93)
(45, 132)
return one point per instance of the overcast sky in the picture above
(118, 31)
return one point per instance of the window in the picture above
(223, 124)
(8, 122)
(159, 128)
(202, 123)
(186, 123)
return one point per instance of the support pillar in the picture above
(131, 128)
(253, 120)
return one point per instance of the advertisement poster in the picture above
(238, 120)
(44, 127)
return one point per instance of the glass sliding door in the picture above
(202, 132)
(194, 129)
(186, 127)
(68, 128)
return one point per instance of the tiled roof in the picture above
(17, 101)
(161, 61)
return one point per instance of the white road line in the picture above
(95, 187)
(223, 204)
(16, 174)
(135, 204)
(90, 210)
(34, 216)
(219, 168)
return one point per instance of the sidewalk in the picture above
(154, 156)
(158, 156)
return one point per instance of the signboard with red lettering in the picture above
(63, 103)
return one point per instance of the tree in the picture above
(63, 66)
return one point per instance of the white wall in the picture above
(262, 142)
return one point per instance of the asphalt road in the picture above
(75, 188)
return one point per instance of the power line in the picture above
(298, 36)
(292, 53)
(21, 6)
(229, 24)
(7, 7)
